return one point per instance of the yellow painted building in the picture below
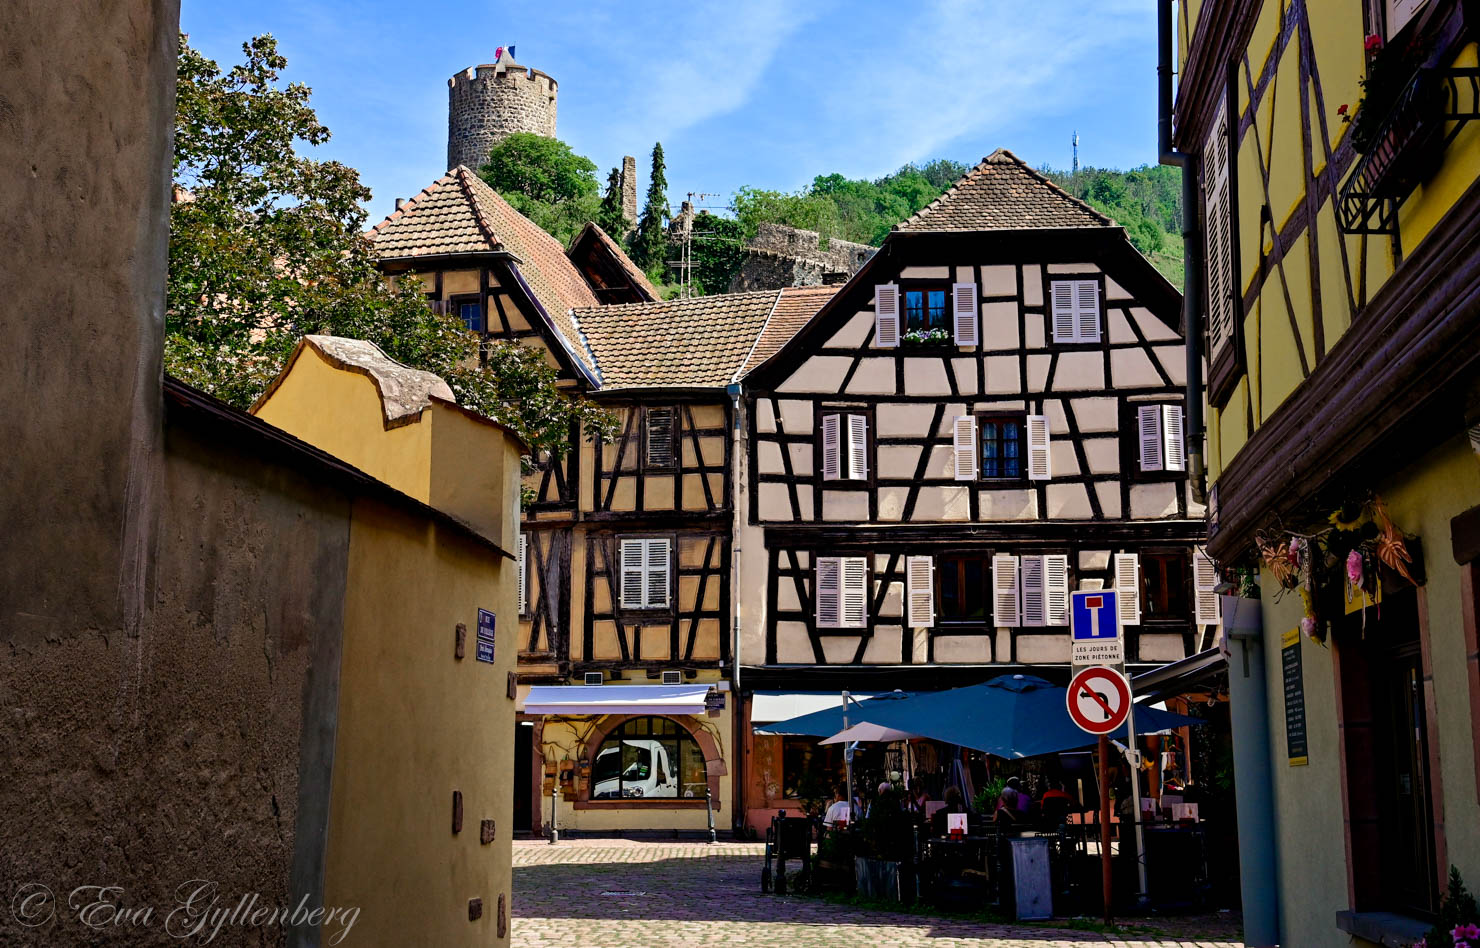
(1336, 151)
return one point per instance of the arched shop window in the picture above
(648, 758)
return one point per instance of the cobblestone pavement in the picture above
(615, 893)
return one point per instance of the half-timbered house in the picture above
(987, 416)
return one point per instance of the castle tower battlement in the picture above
(487, 103)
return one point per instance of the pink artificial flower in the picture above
(1295, 544)
(1465, 931)
(1308, 626)
(1354, 568)
(1372, 43)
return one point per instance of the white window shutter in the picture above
(919, 574)
(1128, 588)
(855, 592)
(1148, 436)
(1065, 325)
(1087, 310)
(1204, 581)
(1175, 445)
(829, 592)
(858, 447)
(886, 315)
(967, 316)
(1218, 227)
(1033, 612)
(1039, 468)
(657, 573)
(832, 461)
(523, 604)
(1005, 611)
(633, 574)
(1056, 589)
(965, 443)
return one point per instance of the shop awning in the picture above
(616, 699)
(770, 706)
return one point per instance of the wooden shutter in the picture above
(1174, 448)
(1218, 227)
(1087, 310)
(1005, 611)
(523, 604)
(1031, 568)
(832, 462)
(855, 592)
(1128, 588)
(1039, 468)
(965, 443)
(829, 592)
(1204, 581)
(858, 447)
(967, 319)
(919, 574)
(1065, 325)
(633, 574)
(660, 437)
(886, 315)
(1148, 435)
(1056, 589)
(657, 573)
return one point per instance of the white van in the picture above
(648, 771)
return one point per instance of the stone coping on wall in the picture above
(1382, 928)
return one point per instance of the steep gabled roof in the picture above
(1003, 193)
(795, 308)
(593, 232)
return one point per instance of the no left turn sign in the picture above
(1099, 699)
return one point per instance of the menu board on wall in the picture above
(1294, 675)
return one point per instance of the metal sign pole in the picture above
(1106, 871)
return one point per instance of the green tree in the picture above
(267, 245)
(650, 243)
(545, 181)
(609, 215)
(717, 252)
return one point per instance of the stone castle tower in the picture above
(489, 102)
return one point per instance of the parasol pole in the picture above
(848, 762)
(1106, 873)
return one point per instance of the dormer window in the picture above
(470, 310)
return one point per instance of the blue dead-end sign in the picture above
(485, 636)
(1094, 624)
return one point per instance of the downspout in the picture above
(1191, 256)
(740, 739)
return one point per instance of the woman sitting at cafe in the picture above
(955, 803)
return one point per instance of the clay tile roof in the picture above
(700, 342)
(795, 308)
(625, 262)
(1003, 193)
(459, 213)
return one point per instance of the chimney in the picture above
(399, 202)
(629, 191)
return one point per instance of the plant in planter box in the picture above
(985, 801)
(885, 842)
(1459, 919)
(1399, 117)
(926, 337)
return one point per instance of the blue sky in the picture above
(765, 93)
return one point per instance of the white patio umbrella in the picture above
(869, 734)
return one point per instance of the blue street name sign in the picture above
(485, 636)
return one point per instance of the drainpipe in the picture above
(1191, 256)
(740, 737)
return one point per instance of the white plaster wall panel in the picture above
(925, 273)
(1002, 375)
(919, 646)
(1095, 414)
(1102, 455)
(803, 558)
(892, 501)
(1094, 560)
(883, 648)
(948, 419)
(999, 326)
(765, 416)
(999, 281)
(965, 275)
(1038, 366)
(1043, 649)
(1062, 459)
(1109, 494)
(844, 505)
(1073, 268)
(838, 650)
(1000, 404)
(801, 459)
(1078, 371)
(955, 503)
(1114, 291)
(796, 416)
(1090, 585)
(962, 649)
(817, 374)
(1033, 334)
(787, 599)
(754, 573)
(925, 377)
(854, 332)
(1002, 649)
(1132, 368)
(1154, 501)
(1033, 285)
(904, 420)
(1195, 510)
(1067, 502)
(965, 370)
(898, 460)
(1120, 328)
(1161, 648)
(875, 376)
(942, 461)
(893, 604)
(1008, 505)
(773, 502)
(768, 457)
(1174, 360)
(792, 645)
(1152, 328)
(1058, 424)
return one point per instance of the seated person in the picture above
(1056, 805)
(837, 813)
(955, 803)
(1009, 803)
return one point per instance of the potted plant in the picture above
(1399, 119)
(1459, 919)
(926, 337)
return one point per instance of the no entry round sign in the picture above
(1099, 699)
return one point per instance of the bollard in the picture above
(709, 810)
(554, 833)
